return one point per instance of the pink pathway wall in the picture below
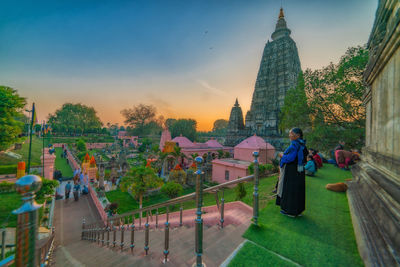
(49, 161)
(97, 204)
(219, 168)
(97, 145)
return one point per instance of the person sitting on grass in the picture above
(317, 158)
(310, 166)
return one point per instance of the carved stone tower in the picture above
(279, 68)
(236, 130)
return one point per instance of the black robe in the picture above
(293, 200)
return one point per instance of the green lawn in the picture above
(127, 203)
(323, 236)
(61, 164)
(8, 203)
(35, 156)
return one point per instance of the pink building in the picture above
(224, 170)
(189, 148)
(127, 139)
(165, 137)
(244, 150)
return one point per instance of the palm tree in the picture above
(177, 154)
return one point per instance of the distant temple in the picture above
(279, 68)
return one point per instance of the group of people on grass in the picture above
(296, 162)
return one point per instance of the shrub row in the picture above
(8, 169)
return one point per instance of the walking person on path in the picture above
(291, 188)
(67, 190)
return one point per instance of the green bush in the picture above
(172, 189)
(47, 188)
(8, 169)
(264, 169)
(178, 176)
(240, 191)
(6, 187)
(81, 155)
(81, 145)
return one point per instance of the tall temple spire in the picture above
(281, 29)
(236, 102)
(281, 15)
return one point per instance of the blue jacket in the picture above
(294, 150)
(310, 166)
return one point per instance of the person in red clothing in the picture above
(317, 158)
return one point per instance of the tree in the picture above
(169, 122)
(172, 189)
(295, 110)
(76, 118)
(220, 126)
(140, 179)
(81, 145)
(334, 103)
(139, 115)
(178, 155)
(240, 191)
(11, 107)
(185, 127)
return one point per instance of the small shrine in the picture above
(89, 167)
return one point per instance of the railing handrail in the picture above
(182, 199)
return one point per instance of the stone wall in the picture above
(374, 193)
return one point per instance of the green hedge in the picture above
(8, 169)
(6, 187)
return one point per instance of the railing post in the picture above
(3, 242)
(180, 215)
(199, 220)
(98, 234)
(133, 233)
(146, 241)
(122, 238)
(27, 221)
(108, 235)
(222, 209)
(166, 240)
(157, 218)
(102, 235)
(255, 193)
(83, 229)
(114, 235)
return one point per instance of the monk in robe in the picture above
(291, 193)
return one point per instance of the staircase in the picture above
(218, 243)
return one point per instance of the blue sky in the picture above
(189, 58)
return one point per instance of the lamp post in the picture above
(27, 222)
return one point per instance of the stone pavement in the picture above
(218, 243)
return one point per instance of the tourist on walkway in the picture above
(291, 188)
(67, 190)
(310, 166)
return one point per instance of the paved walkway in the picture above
(218, 243)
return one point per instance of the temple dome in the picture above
(183, 141)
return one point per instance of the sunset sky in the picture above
(190, 59)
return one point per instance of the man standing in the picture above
(67, 190)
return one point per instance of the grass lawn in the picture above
(8, 203)
(127, 203)
(61, 164)
(323, 236)
(35, 156)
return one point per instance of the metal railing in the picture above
(102, 231)
(45, 249)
